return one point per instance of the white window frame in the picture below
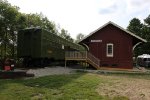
(112, 54)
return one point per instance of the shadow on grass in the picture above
(54, 87)
(52, 81)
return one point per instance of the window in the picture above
(109, 50)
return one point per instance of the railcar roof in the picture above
(39, 28)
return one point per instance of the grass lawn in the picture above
(79, 86)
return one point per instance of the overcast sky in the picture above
(85, 16)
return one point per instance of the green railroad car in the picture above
(37, 46)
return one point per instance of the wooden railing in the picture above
(75, 55)
(93, 59)
(82, 55)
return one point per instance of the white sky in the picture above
(85, 16)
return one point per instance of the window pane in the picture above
(110, 49)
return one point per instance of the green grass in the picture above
(55, 87)
(80, 86)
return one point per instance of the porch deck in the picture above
(82, 56)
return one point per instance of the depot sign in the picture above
(96, 40)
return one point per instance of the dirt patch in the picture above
(134, 89)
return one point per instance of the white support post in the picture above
(65, 63)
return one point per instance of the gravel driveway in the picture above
(50, 71)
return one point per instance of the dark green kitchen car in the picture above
(38, 46)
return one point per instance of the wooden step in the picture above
(93, 64)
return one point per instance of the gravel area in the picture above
(57, 70)
(50, 71)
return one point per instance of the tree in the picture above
(64, 34)
(146, 35)
(146, 28)
(135, 26)
(142, 30)
(79, 37)
(49, 25)
(9, 16)
(39, 20)
(147, 21)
